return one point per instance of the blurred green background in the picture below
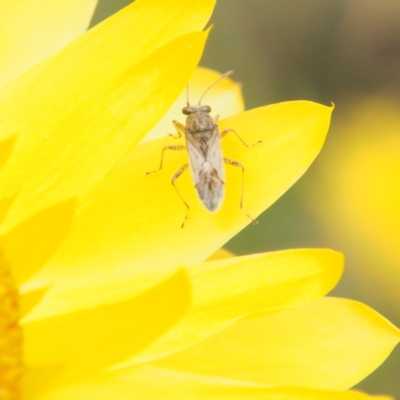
(341, 51)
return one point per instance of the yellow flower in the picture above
(360, 197)
(117, 300)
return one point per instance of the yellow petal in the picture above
(38, 380)
(292, 133)
(30, 244)
(75, 175)
(98, 96)
(157, 383)
(225, 99)
(131, 226)
(32, 30)
(28, 301)
(227, 290)
(89, 340)
(223, 292)
(358, 200)
(328, 344)
(221, 254)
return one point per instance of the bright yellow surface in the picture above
(69, 161)
(328, 344)
(92, 339)
(32, 30)
(156, 383)
(28, 301)
(222, 292)
(220, 254)
(122, 284)
(226, 291)
(132, 220)
(71, 128)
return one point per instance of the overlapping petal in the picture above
(328, 344)
(139, 238)
(82, 342)
(158, 383)
(119, 128)
(223, 292)
(111, 292)
(65, 123)
(227, 291)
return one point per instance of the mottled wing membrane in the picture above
(214, 155)
(196, 159)
(211, 192)
(207, 172)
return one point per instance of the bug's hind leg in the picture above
(235, 163)
(177, 174)
(228, 130)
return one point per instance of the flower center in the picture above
(10, 335)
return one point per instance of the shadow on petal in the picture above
(31, 244)
(29, 300)
(93, 339)
(6, 148)
(5, 206)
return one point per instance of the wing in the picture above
(207, 171)
(215, 156)
(210, 188)
(196, 158)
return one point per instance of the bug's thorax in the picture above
(201, 127)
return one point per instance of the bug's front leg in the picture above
(180, 129)
(240, 165)
(177, 174)
(228, 130)
(170, 147)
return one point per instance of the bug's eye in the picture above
(206, 109)
(187, 110)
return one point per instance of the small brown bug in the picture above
(206, 162)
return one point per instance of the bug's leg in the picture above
(170, 147)
(239, 165)
(226, 131)
(180, 129)
(177, 174)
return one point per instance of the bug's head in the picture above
(194, 109)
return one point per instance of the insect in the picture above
(206, 162)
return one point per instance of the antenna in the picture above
(187, 95)
(219, 79)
